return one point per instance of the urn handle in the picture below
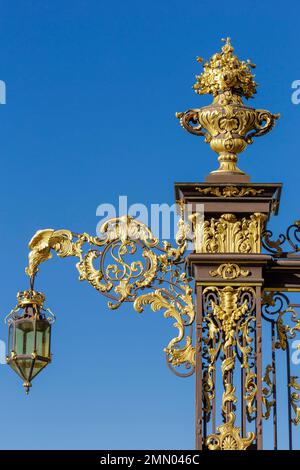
(263, 123)
(189, 121)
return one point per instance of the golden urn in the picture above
(227, 124)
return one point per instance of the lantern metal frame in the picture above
(30, 310)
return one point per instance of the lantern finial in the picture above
(27, 386)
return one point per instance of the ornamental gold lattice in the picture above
(230, 310)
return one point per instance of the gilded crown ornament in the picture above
(227, 124)
(30, 297)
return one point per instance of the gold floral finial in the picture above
(227, 124)
(225, 72)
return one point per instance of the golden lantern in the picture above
(29, 336)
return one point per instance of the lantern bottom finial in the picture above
(27, 386)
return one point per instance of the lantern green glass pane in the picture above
(43, 338)
(25, 366)
(24, 337)
(14, 367)
(37, 367)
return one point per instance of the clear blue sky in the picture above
(92, 88)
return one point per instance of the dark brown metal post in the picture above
(199, 409)
(289, 413)
(259, 430)
(274, 385)
(229, 264)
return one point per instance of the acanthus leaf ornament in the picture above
(229, 438)
(228, 234)
(161, 299)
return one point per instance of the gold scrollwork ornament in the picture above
(229, 437)
(230, 191)
(229, 271)
(121, 279)
(295, 399)
(267, 392)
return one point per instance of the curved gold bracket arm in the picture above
(125, 260)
